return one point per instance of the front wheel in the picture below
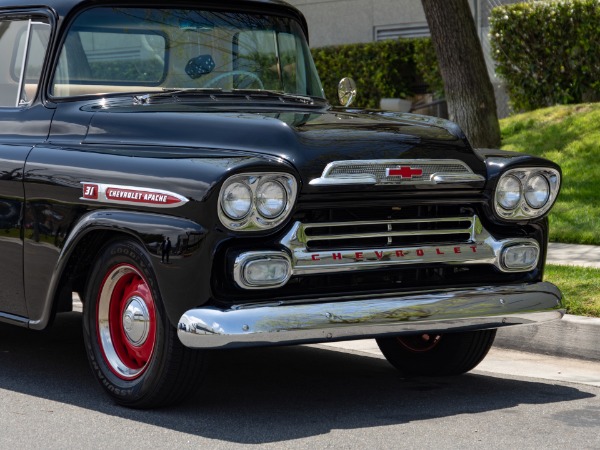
(437, 354)
(131, 345)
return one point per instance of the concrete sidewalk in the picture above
(574, 255)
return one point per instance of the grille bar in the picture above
(389, 229)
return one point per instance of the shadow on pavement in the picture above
(266, 395)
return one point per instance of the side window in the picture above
(24, 44)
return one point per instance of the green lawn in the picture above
(580, 287)
(569, 136)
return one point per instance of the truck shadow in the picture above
(267, 395)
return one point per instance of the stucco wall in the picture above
(333, 22)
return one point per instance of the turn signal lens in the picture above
(520, 257)
(262, 270)
(265, 272)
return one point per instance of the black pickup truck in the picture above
(176, 165)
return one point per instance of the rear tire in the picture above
(437, 354)
(132, 347)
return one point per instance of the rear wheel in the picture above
(437, 354)
(131, 345)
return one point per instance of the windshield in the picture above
(109, 50)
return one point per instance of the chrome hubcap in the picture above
(136, 321)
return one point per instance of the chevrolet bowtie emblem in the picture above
(403, 172)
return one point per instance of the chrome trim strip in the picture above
(376, 172)
(448, 178)
(14, 320)
(19, 101)
(323, 181)
(357, 318)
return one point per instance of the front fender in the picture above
(179, 290)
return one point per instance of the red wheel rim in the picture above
(126, 315)
(419, 343)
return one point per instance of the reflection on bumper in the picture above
(293, 323)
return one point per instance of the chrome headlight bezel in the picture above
(522, 209)
(256, 219)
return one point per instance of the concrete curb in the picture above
(571, 337)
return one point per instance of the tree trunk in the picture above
(469, 91)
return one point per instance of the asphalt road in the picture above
(284, 398)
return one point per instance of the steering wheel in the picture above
(232, 73)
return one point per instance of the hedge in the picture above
(548, 52)
(388, 69)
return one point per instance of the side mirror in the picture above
(346, 91)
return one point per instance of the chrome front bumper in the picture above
(366, 317)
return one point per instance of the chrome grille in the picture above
(377, 172)
(385, 233)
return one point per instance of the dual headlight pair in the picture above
(526, 193)
(256, 200)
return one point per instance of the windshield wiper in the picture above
(268, 93)
(172, 91)
(144, 99)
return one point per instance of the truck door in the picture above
(24, 123)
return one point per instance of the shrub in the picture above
(427, 66)
(388, 69)
(547, 51)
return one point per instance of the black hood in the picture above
(307, 140)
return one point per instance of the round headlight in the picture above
(271, 199)
(537, 191)
(508, 192)
(237, 200)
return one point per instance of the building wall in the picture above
(334, 22)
